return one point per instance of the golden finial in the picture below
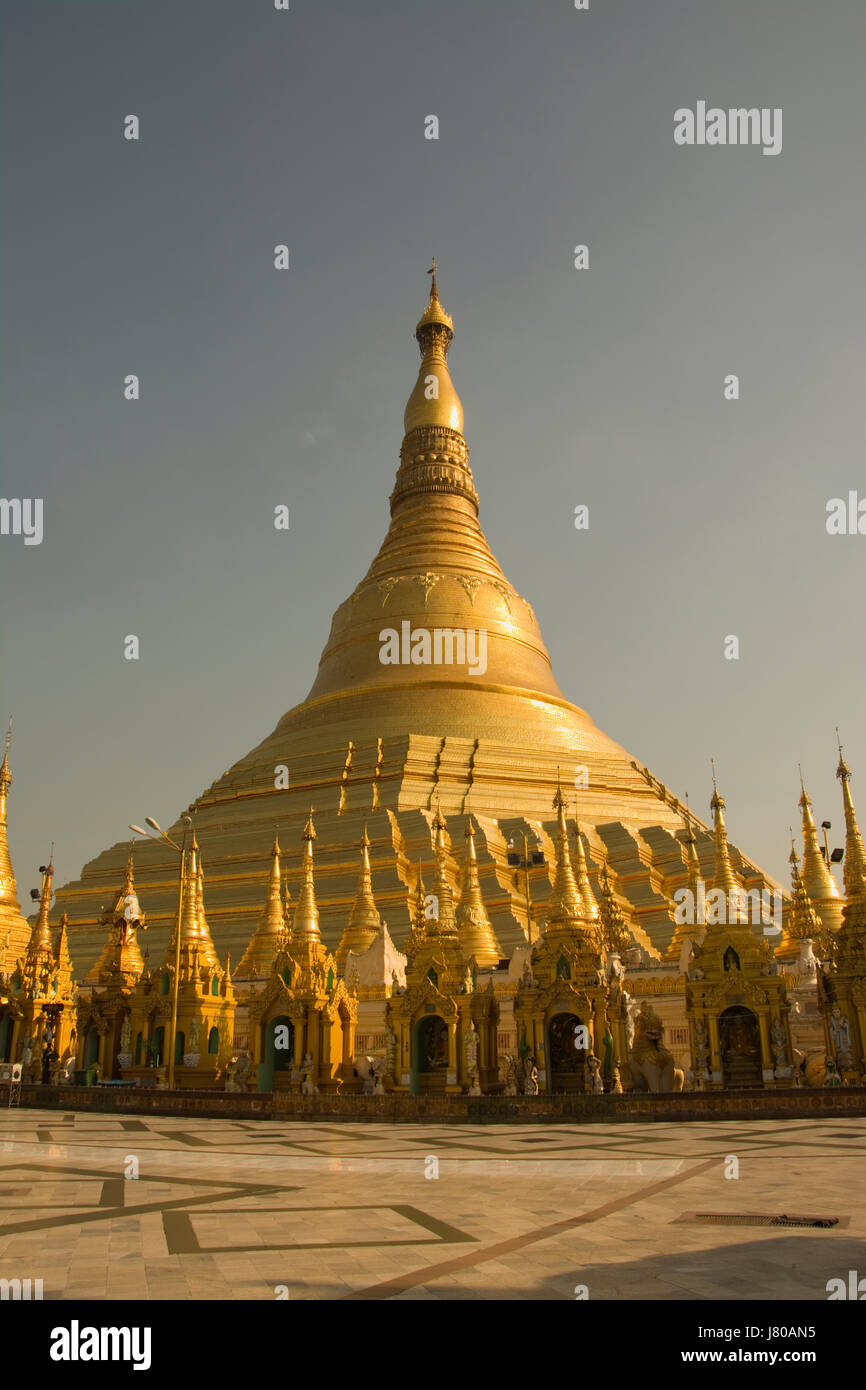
(309, 828)
(842, 770)
(434, 292)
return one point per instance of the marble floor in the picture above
(103, 1206)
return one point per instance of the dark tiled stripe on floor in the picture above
(134, 1125)
(507, 1247)
(84, 1218)
(184, 1138)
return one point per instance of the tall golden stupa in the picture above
(387, 740)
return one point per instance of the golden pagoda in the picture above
(41, 1005)
(434, 688)
(736, 999)
(364, 921)
(842, 982)
(14, 929)
(302, 1017)
(205, 999)
(442, 1029)
(272, 933)
(104, 999)
(561, 1006)
(818, 881)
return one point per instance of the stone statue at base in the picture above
(840, 1034)
(593, 1082)
(308, 1086)
(531, 1085)
(652, 1065)
(470, 1048)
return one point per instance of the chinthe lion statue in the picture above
(652, 1066)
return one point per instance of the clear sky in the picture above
(602, 386)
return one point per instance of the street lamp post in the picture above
(525, 862)
(181, 850)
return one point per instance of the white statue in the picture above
(470, 1047)
(510, 1074)
(840, 1032)
(390, 1050)
(808, 965)
(308, 1086)
(194, 1035)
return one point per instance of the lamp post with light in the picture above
(181, 850)
(526, 861)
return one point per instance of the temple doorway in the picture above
(91, 1047)
(566, 1062)
(429, 1056)
(740, 1046)
(277, 1054)
(6, 1025)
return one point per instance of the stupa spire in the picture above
(692, 862)
(8, 886)
(819, 881)
(566, 904)
(581, 874)
(41, 939)
(804, 921)
(270, 934)
(306, 926)
(365, 913)
(62, 958)
(195, 939)
(724, 876)
(473, 924)
(446, 920)
(14, 930)
(615, 936)
(365, 922)
(855, 855)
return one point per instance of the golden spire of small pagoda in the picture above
(270, 935)
(197, 948)
(434, 402)
(473, 924)
(8, 886)
(417, 916)
(692, 862)
(724, 876)
(614, 935)
(122, 953)
(419, 903)
(40, 941)
(365, 913)
(306, 928)
(854, 871)
(819, 881)
(14, 929)
(566, 904)
(802, 920)
(364, 923)
(63, 960)
(446, 919)
(581, 875)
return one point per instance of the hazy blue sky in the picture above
(601, 386)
